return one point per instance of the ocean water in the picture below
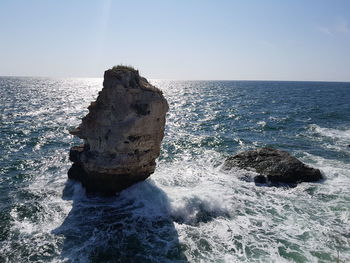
(188, 210)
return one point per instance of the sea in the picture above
(190, 209)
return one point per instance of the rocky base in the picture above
(274, 167)
(106, 184)
(95, 182)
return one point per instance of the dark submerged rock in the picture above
(274, 166)
(260, 179)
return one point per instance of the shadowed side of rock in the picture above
(122, 133)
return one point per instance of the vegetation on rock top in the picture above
(124, 68)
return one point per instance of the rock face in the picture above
(122, 133)
(273, 166)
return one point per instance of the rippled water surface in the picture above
(189, 210)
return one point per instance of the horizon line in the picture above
(170, 79)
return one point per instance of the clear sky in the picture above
(174, 39)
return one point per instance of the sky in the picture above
(175, 39)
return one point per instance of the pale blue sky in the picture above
(252, 40)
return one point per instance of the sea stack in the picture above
(122, 133)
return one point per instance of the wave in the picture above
(337, 134)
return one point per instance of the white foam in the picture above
(338, 134)
(261, 123)
(246, 218)
(217, 216)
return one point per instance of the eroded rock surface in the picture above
(122, 133)
(273, 166)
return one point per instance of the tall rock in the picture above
(122, 133)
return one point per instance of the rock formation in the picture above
(273, 166)
(122, 133)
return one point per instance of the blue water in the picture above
(189, 210)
